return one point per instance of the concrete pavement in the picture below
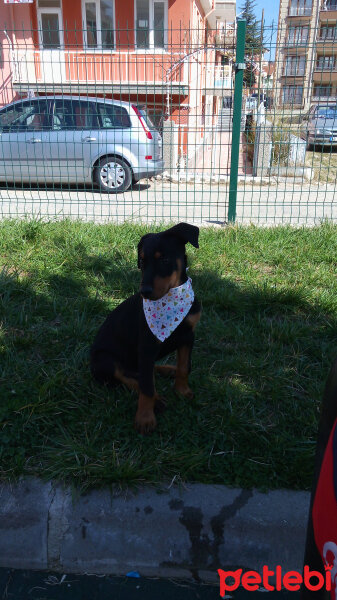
(202, 203)
(187, 533)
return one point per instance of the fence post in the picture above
(236, 129)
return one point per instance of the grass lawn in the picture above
(263, 350)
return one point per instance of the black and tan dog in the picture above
(125, 349)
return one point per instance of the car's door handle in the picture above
(35, 140)
(89, 139)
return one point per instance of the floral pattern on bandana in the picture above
(164, 315)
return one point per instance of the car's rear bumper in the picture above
(323, 140)
(154, 167)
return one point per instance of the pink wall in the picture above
(16, 19)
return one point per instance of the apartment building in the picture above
(306, 53)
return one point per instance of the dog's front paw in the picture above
(145, 421)
(184, 390)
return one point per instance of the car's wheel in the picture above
(112, 175)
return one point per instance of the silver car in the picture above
(321, 129)
(78, 140)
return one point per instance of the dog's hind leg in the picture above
(166, 370)
(105, 370)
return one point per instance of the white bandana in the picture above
(164, 315)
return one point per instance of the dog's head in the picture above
(162, 259)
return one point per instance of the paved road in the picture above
(39, 585)
(159, 201)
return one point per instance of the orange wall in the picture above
(125, 23)
(72, 23)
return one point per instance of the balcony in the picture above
(329, 6)
(328, 11)
(225, 39)
(218, 79)
(324, 77)
(83, 71)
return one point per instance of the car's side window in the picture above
(26, 116)
(113, 116)
(75, 114)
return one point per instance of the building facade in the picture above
(306, 53)
(162, 53)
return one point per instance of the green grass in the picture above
(263, 349)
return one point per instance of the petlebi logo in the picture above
(289, 580)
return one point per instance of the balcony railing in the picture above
(85, 67)
(219, 78)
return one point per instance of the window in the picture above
(49, 17)
(113, 116)
(326, 63)
(151, 23)
(328, 33)
(75, 114)
(298, 36)
(292, 94)
(25, 116)
(300, 8)
(99, 24)
(322, 91)
(294, 65)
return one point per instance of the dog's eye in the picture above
(164, 261)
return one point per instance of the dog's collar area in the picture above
(164, 315)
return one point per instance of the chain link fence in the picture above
(114, 123)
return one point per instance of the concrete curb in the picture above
(186, 533)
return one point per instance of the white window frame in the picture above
(99, 46)
(152, 49)
(50, 10)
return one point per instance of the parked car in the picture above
(320, 126)
(73, 139)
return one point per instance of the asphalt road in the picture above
(158, 201)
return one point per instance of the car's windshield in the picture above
(329, 112)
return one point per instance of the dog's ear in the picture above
(185, 232)
(140, 245)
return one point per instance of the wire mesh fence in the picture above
(110, 121)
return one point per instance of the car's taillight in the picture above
(143, 124)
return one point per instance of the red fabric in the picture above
(324, 512)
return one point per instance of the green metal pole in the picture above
(236, 130)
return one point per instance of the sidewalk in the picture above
(160, 202)
(37, 585)
(187, 533)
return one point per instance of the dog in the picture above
(159, 319)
